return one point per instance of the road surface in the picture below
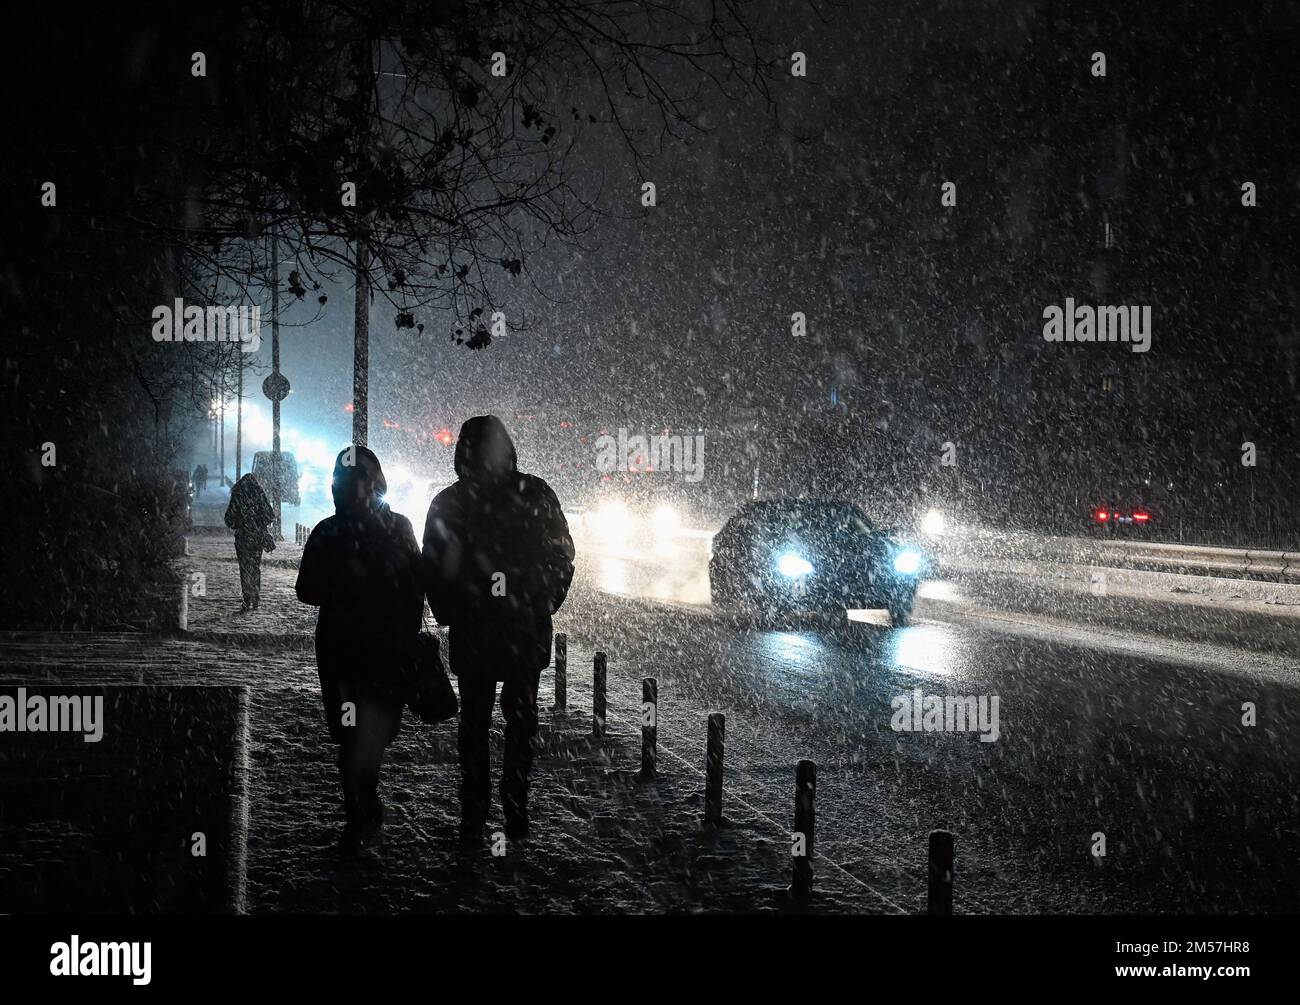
(1119, 717)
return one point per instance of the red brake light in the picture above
(1102, 516)
(1141, 517)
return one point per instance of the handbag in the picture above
(428, 688)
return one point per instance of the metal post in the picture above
(239, 423)
(940, 898)
(221, 418)
(561, 671)
(805, 825)
(598, 696)
(278, 487)
(649, 726)
(183, 615)
(713, 770)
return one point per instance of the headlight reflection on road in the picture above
(924, 649)
(612, 575)
(665, 523)
(792, 655)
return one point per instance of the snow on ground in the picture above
(603, 841)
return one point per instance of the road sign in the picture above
(276, 387)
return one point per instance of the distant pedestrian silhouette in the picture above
(200, 479)
(498, 561)
(249, 515)
(361, 568)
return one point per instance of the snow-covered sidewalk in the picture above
(603, 841)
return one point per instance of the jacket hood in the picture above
(248, 485)
(358, 485)
(484, 451)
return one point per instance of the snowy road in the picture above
(1117, 717)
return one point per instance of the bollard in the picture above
(940, 872)
(713, 771)
(187, 547)
(183, 615)
(561, 671)
(598, 696)
(649, 726)
(805, 826)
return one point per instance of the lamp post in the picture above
(277, 377)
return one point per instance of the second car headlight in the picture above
(793, 565)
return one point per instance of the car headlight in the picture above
(665, 521)
(907, 562)
(793, 565)
(613, 523)
(934, 523)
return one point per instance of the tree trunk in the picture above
(361, 351)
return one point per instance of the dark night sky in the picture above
(682, 311)
(926, 322)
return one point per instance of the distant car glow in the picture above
(934, 524)
(793, 565)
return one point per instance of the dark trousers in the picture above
(361, 753)
(248, 549)
(519, 708)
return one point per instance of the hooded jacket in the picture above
(249, 512)
(498, 558)
(361, 568)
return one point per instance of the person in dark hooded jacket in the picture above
(361, 568)
(249, 515)
(498, 561)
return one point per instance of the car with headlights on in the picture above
(776, 559)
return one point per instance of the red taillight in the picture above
(1141, 517)
(1102, 516)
